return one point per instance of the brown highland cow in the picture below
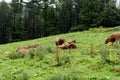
(113, 37)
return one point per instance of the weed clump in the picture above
(33, 53)
(16, 55)
(41, 51)
(104, 53)
(67, 76)
(15, 75)
(92, 51)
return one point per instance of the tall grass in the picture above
(104, 52)
(15, 75)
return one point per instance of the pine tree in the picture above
(90, 13)
(111, 15)
(32, 20)
(5, 21)
(65, 15)
(17, 22)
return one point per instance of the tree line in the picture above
(20, 20)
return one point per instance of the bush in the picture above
(100, 29)
(78, 28)
(31, 54)
(15, 75)
(16, 55)
(104, 52)
(66, 59)
(39, 52)
(21, 76)
(68, 76)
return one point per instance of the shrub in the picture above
(100, 29)
(45, 49)
(65, 59)
(104, 52)
(39, 52)
(92, 51)
(24, 76)
(21, 76)
(67, 76)
(16, 55)
(78, 28)
(15, 75)
(31, 54)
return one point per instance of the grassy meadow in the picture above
(92, 60)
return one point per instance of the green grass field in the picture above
(92, 60)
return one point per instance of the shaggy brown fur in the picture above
(63, 46)
(25, 49)
(59, 41)
(113, 37)
(73, 41)
(67, 46)
(33, 46)
(72, 46)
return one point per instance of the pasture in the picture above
(92, 60)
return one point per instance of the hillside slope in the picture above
(92, 60)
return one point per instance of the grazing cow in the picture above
(113, 37)
(59, 41)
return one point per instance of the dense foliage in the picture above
(21, 20)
